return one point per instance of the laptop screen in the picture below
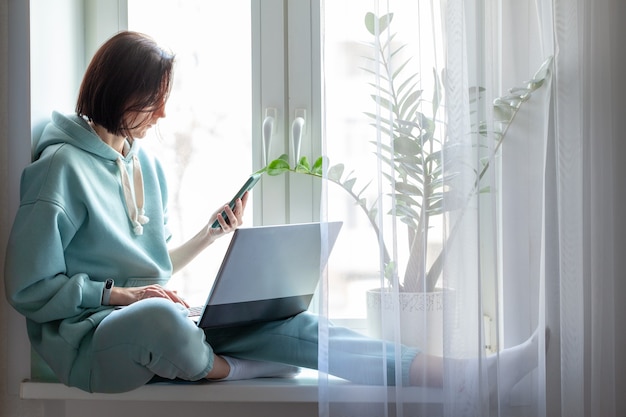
(269, 272)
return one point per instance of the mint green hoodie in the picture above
(75, 228)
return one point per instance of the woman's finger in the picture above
(173, 295)
(233, 221)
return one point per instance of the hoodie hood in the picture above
(76, 131)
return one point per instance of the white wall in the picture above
(620, 145)
(10, 404)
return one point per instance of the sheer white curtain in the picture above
(478, 170)
(539, 247)
(586, 365)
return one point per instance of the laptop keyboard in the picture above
(195, 311)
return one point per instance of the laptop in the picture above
(268, 273)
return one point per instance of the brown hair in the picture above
(129, 72)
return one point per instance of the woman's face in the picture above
(142, 121)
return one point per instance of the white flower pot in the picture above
(420, 318)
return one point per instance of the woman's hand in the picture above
(122, 296)
(185, 253)
(235, 217)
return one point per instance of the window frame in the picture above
(18, 156)
(286, 78)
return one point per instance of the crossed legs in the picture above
(176, 348)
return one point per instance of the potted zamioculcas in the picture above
(415, 154)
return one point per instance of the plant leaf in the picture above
(335, 172)
(406, 188)
(303, 166)
(436, 93)
(348, 184)
(278, 166)
(318, 166)
(405, 146)
(370, 23)
(409, 101)
(383, 22)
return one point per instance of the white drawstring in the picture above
(134, 195)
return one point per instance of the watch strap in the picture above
(106, 293)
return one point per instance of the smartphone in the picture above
(247, 186)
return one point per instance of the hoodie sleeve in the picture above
(35, 273)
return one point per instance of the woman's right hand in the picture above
(121, 296)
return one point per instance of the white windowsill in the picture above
(304, 388)
(301, 389)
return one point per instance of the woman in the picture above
(91, 235)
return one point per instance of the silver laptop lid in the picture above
(269, 272)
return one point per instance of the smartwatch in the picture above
(106, 294)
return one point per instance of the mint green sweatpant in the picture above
(155, 337)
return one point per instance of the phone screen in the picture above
(247, 186)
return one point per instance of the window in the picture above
(215, 113)
(230, 75)
(238, 62)
(205, 140)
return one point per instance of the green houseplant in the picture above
(415, 155)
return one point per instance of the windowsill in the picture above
(304, 388)
(301, 389)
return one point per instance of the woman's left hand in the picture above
(123, 296)
(185, 253)
(235, 217)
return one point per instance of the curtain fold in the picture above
(509, 150)
(585, 160)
